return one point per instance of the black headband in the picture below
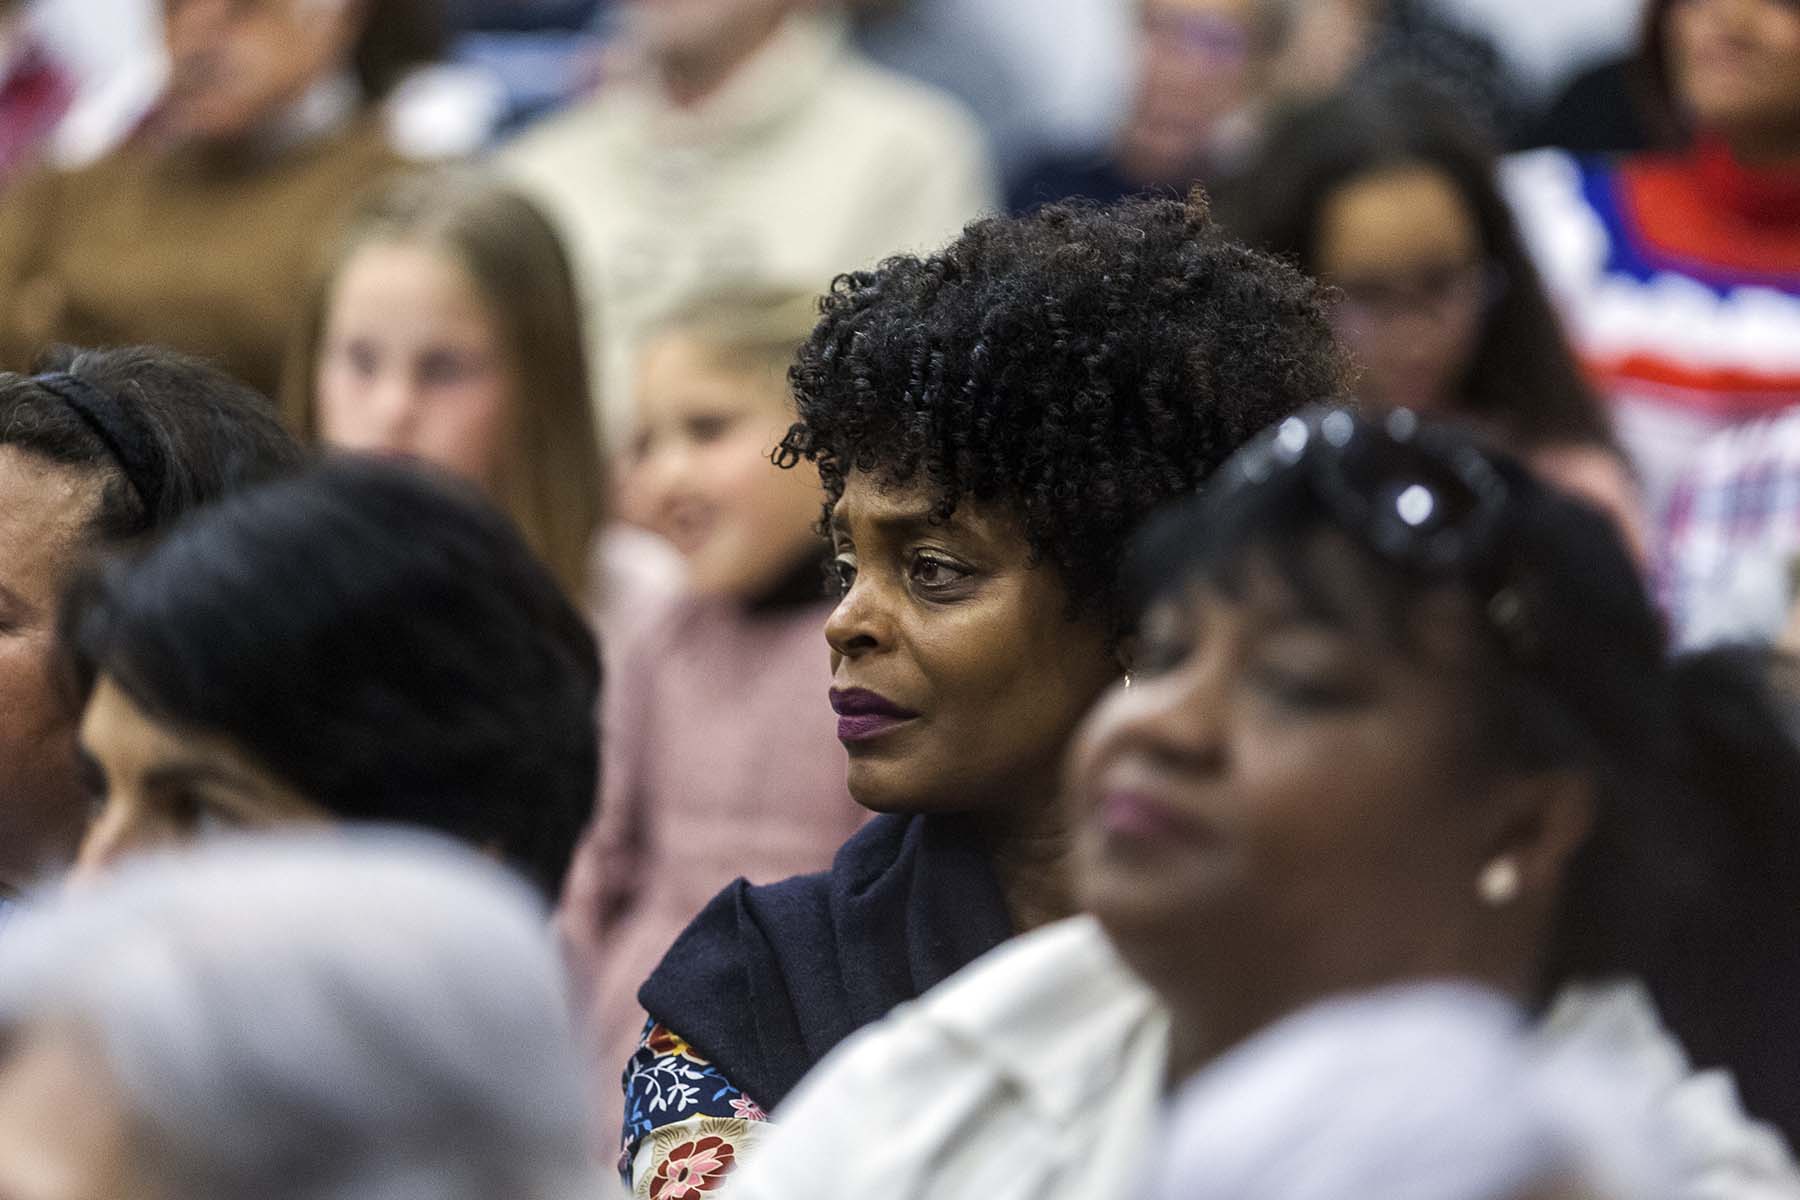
(120, 428)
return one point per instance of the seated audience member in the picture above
(199, 233)
(1399, 714)
(445, 326)
(1451, 1101)
(1340, 43)
(745, 144)
(721, 759)
(1196, 111)
(989, 425)
(1385, 193)
(104, 447)
(361, 1018)
(1678, 271)
(360, 643)
(1212, 73)
(34, 93)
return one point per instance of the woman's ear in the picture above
(1546, 817)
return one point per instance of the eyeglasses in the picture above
(1440, 292)
(1206, 35)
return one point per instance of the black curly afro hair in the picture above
(1080, 365)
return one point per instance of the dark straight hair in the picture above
(1522, 378)
(1687, 879)
(381, 639)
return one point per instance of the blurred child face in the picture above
(412, 363)
(1737, 65)
(1406, 253)
(63, 1135)
(236, 64)
(700, 473)
(155, 785)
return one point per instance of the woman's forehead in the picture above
(1328, 582)
(874, 500)
(44, 509)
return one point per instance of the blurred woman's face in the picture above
(957, 674)
(235, 65)
(1284, 803)
(44, 515)
(1406, 253)
(700, 475)
(155, 785)
(1736, 67)
(412, 362)
(63, 1135)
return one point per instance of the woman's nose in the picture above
(862, 622)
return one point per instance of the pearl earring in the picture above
(1499, 882)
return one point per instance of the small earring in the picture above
(1128, 680)
(1499, 883)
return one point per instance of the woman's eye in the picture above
(934, 574)
(443, 370)
(842, 571)
(1155, 654)
(361, 357)
(210, 820)
(708, 427)
(1164, 640)
(1304, 692)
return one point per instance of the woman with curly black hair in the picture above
(989, 423)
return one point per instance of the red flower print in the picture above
(693, 1168)
(663, 1043)
(748, 1109)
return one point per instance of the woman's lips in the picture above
(1139, 816)
(864, 715)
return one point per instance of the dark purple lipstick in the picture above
(863, 714)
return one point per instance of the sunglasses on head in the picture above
(1419, 497)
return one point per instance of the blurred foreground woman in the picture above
(1399, 714)
(358, 1019)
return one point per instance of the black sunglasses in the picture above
(1420, 497)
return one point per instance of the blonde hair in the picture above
(752, 331)
(552, 478)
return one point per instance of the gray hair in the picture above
(368, 1016)
(1428, 1092)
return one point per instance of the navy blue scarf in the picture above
(766, 980)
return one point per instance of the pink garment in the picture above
(721, 760)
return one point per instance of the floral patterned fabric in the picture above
(685, 1124)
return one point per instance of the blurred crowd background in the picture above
(569, 253)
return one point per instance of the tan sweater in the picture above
(808, 162)
(206, 257)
